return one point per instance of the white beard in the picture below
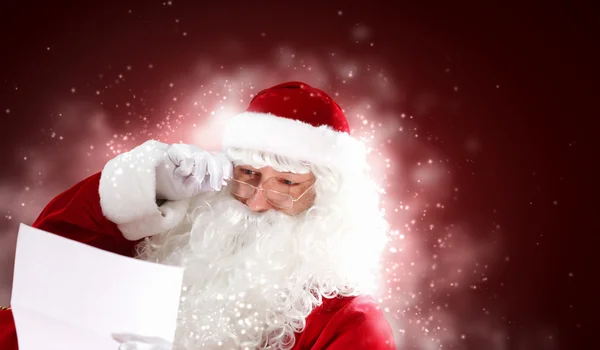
(250, 279)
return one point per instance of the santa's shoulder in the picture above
(349, 323)
(361, 304)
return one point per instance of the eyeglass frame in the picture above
(294, 200)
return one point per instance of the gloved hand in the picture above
(186, 170)
(138, 342)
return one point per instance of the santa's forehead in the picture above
(260, 159)
(262, 167)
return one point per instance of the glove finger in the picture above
(205, 185)
(124, 337)
(185, 167)
(194, 182)
(140, 342)
(200, 163)
(181, 157)
(215, 170)
(226, 165)
(128, 346)
(178, 152)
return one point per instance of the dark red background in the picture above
(536, 127)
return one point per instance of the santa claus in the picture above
(280, 234)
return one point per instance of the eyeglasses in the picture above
(275, 198)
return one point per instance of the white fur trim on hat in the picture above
(295, 139)
(128, 193)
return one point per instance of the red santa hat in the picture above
(298, 121)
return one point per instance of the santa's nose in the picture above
(258, 202)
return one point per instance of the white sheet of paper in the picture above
(70, 296)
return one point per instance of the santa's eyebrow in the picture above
(294, 175)
(248, 167)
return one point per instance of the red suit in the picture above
(340, 323)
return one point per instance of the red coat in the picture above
(340, 323)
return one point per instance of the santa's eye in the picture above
(288, 182)
(247, 172)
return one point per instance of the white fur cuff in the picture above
(128, 193)
(295, 139)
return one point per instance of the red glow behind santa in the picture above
(280, 233)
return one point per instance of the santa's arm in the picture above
(127, 191)
(117, 207)
(111, 210)
(8, 334)
(359, 325)
(77, 214)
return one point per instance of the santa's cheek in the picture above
(239, 199)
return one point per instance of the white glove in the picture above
(186, 170)
(138, 342)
